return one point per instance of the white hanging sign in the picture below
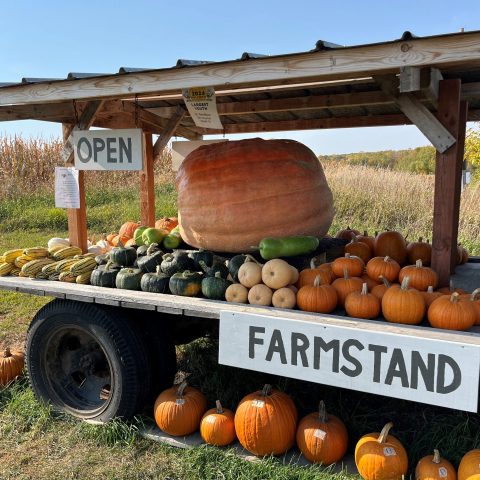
(67, 192)
(202, 107)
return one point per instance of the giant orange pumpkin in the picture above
(233, 194)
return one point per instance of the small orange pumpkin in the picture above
(369, 240)
(347, 233)
(217, 426)
(401, 304)
(130, 242)
(346, 285)
(475, 302)
(179, 409)
(379, 290)
(359, 249)
(362, 304)
(354, 265)
(11, 365)
(451, 289)
(322, 438)
(429, 296)
(371, 283)
(419, 251)
(469, 468)
(380, 456)
(128, 229)
(451, 313)
(420, 277)
(317, 298)
(433, 467)
(265, 422)
(117, 240)
(391, 244)
(166, 223)
(307, 276)
(383, 267)
(110, 237)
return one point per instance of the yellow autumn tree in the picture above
(472, 148)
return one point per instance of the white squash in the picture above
(249, 274)
(284, 298)
(277, 274)
(95, 249)
(104, 245)
(260, 294)
(53, 242)
(236, 292)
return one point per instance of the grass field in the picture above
(36, 444)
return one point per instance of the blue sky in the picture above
(52, 38)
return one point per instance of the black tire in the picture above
(87, 360)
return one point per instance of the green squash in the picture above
(142, 250)
(104, 275)
(175, 262)
(102, 259)
(123, 256)
(155, 282)
(129, 279)
(172, 240)
(149, 263)
(234, 265)
(215, 287)
(137, 235)
(214, 269)
(187, 284)
(201, 256)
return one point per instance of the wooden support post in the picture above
(147, 185)
(77, 217)
(447, 182)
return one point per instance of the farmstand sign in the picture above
(108, 149)
(427, 370)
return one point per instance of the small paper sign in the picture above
(67, 192)
(202, 107)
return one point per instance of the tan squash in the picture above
(284, 298)
(236, 292)
(250, 273)
(260, 294)
(277, 273)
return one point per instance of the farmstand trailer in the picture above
(432, 82)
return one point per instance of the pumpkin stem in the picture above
(151, 248)
(386, 259)
(345, 273)
(316, 282)
(181, 388)
(382, 438)
(474, 294)
(436, 456)
(218, 275)
(430, 289)
(322, 412)
(7, 353)
(418, 264)
(249, 258)
(312, 264)
(364, 289)
(365, 233)
(158, 270)
(385, 281)
(405, 283)
(454, 297)
(108, 265)
(219, 407)
(266, 390)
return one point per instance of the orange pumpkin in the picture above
(359, 249)
(420, 277)
(452, 313)
(346, 285)
(130, 243)
(217, 426)
(322, 438)
(475, 302)
(391, 244)
(433, 467)
(462, 255)
(370, 241)
(128, 229)
(273, 174)
(451, 289)
(179, 409)
(383, 267)
(265, 422)
(110, 237)
(429, 296)
(166, 223)
(401, 304)
(347, 233)
(380, 456)
(354, 265)
(307, 276)
(469, 468)
(118, 239)
(379, 290)
(419, 251)
(371, 283)
(11, 365)
(362, 304)
(317, 298)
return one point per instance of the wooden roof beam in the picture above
(351, 62)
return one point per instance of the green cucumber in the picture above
(287, 246)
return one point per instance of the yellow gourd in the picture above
(236, 293)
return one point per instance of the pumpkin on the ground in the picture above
(265, 422)
(434, 467)
(217, 426)
(380, 456)
(401, 304)
(179, 409)
(270, 175)
(11, 365)
(322, 438)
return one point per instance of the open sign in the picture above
(108, 149)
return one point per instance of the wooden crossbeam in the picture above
(57, 112)
(85, 121)
(168, 132)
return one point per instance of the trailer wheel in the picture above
(87, 361)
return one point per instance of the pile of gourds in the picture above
(266, 423)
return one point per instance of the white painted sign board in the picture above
(108, 149)
(202, 107)
(425, 370)
(67, 192)
(182, 148)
